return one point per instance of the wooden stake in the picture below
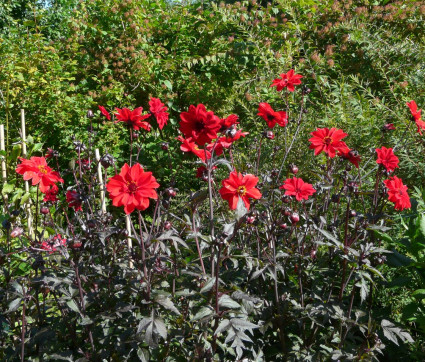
(99, 176)
(27, 186)
(129, 241)
(3, 161)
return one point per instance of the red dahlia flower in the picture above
(350, 155)
(227, 140)
(36, 169)
(397, 193)
(287, 80)
(328, 141)
(229, 121)
(132, 188)
(51, 194)
(200, 125)
(74, 199)
(134, 119)
(189, 146)
(271, 117)
(158, 109)
(298, 188)
(105, 112)
(238, 186)
(416, 114)
(387, 158)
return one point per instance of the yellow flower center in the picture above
(327, 140)
(43, 169)
(241, 190)
(132, 187)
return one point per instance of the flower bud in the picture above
(294, 169)
(353, 213)
(295, 217)
(268, 134)
(250, 219)
(17, 231)
(44, 210)
(90, 114)
(165, 146)
(171, 192)
(106, 160)
(167, 225)
(51, 153)
(388, 127)
(287, 212)
(283, 226)
(306, 90)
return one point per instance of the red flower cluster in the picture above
(397, 193)
(272, 117)
(37, 170)
(52, 244)
(351, 155)
(200, 125)
(416, 114)
(298, 188)
(287, 80)
(238, 186)
(51, 194)
(132, 188)
(74, 199)
(228, 122)
(158, 109)
(133, 119)
(387, 158)
(328, 141)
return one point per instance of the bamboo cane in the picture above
(3, 161)
(27, 186)
(99, 176)
(3, 164)
(129, 241)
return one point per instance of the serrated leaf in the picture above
(242, 324)
(208, 285)
(226, 302)
(222, 327)
(257, 273)
(71, 304)
(143, 354)
(14, 305)
(203, 313)
(167, 303)
(160, 327)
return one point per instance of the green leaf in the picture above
(7, 189)
(203, 313)
(226, 302)
(71, 304)
(168, 84)
(207, 287)
(14, 305)
(420, 293)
